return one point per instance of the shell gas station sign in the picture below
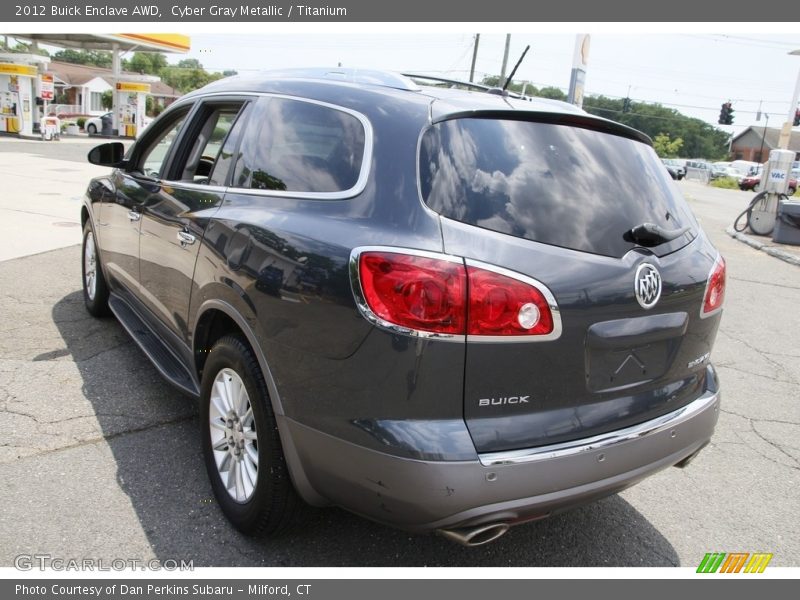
(133, 87)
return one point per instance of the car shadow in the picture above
(152, 431)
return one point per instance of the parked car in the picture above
(94, 125)
(407, 301)
(675, 168)
(751, 183)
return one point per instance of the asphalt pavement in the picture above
(100, 458)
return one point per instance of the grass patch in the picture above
(726, 183)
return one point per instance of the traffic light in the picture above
(726, 114)
(797, 117)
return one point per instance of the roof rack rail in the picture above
(468, 84)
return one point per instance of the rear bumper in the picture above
(509, 487)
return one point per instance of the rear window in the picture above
(300, 147)
(559, 185)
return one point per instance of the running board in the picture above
(172, 369)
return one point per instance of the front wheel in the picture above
(791, 191)
(95, 290)
(241, 445)
(91, 129)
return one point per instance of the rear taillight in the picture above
(715, 289)
(431, 294)
(415, 292)
(502, 305)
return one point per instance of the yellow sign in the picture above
(172, 42)
(129, 86)
(12, 69)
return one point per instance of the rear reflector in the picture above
(425, 293)
(714, 296)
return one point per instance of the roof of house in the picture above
(76, 75)
(770, 138)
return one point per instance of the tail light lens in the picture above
(501, 305)
(715, 289)
(419, 293)
(425, 294)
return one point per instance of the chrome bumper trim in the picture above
(602, 441)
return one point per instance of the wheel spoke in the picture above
(218, 404)
(216, 423)
(250, 434)
(220, 445)
(250, 473)
(222, 396)
(242, 400)
(238, 479)
(251, 454)
(248, 417)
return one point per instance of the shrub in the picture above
(81, 122)
(726, 183)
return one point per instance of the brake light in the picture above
(501, 305)
(425, 294)
(419, 293)
(715, 289)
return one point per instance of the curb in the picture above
(758, 245)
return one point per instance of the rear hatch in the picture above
(554, 198)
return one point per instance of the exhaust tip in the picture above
(476, 536)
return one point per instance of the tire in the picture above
(791, 191)
(91, 129)
(249, 478)
(95, 290)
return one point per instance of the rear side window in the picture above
(559, 185)
(300, 147)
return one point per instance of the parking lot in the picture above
(100, 458)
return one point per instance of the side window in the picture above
(217, 122)
(152, 161)
(226, 158)
(300, 147)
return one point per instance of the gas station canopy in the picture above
(17, 112)
(125, 42)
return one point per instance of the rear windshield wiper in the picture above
(650, 234)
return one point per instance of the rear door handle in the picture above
(186, 238)
(134, 216)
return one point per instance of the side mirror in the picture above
(108, 155)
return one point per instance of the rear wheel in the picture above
(791, 191)
(95, 290)
(241, 445)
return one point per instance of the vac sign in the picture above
(777, 175)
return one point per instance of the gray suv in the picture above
(440, 309)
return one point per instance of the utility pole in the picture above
(474, 57)
(505, 59)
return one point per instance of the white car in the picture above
(94, 125)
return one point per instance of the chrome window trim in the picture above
(369, 315)
(603, 441)
(366, 159)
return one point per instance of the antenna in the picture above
(516, 66)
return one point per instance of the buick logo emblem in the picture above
(647, 285)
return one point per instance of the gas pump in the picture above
(130, 108)
(774, 184)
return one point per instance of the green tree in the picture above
(553, 93)
(107, 99)
(665, 147)
(96, 58)
(149, 63)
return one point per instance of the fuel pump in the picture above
(774, 184)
